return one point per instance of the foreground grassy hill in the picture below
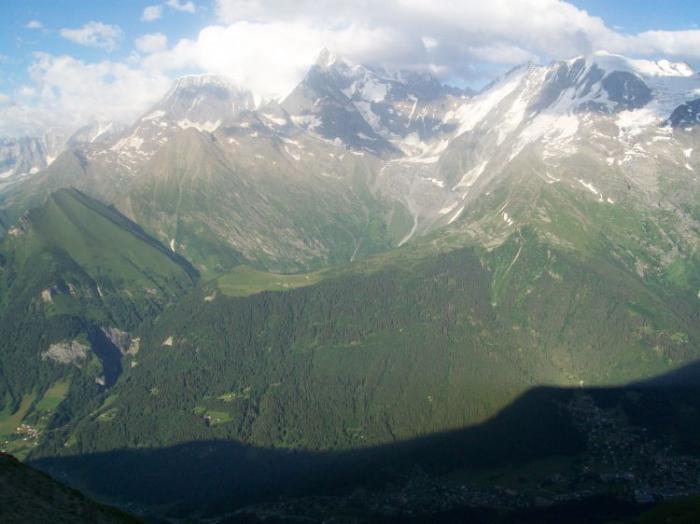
(75, 277)
(27, 495)
(683, 511)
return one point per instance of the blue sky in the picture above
(88, 60)
(19, 43)
(643, 15)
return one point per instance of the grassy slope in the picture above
(244, 281)
(104, 243)
(27, 495)
(223, 208)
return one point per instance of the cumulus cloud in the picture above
(27, 92)
(70, 92)
(667, 43)
(34, 24)
(455, 34)
(151, 13)
(268, 45)
(268, 58)
(95, 34)
(152, 42)
(181, 5)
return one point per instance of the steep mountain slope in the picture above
(302, 168)
(617, 129)
(320, 104)
(539, 280)
(27, 495)
(245, 193)
(595, 124)
(76, 277)
(305, 167)
(369, 109)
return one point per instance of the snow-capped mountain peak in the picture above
(202, 99)
(326, 59)
(381, 109)
(645, 68)
(202, 80)
(201, 102)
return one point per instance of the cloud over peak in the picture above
(461, 33)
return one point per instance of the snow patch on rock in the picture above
(206, 127)
(456, 215)
(471, 176)
(155, 115)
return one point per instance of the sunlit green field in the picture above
(244, 281)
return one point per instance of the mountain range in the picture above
(374, 258)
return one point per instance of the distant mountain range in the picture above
(28, 155)
(383, 157)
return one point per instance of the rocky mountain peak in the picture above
(200, 99)
(326, 59)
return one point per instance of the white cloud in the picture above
(4, 99)
(34, 24)
(151, 13)
(268, 45)
(268, 58)
(429, 42)
(501, 54)
(181, 5)
(669, 43)
(499, 31)
(70, 92)
(95, 34)
(152, 42)
(26, 92)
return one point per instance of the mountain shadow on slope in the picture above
(212, 478)
(216, 476)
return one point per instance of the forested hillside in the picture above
(76, 278)
(386, 350)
